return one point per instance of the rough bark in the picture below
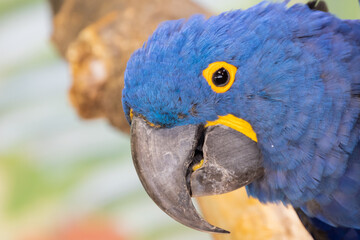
(74, 15)
(97, 40)
(55, 6)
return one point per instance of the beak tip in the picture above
(212, 229)
(223, 231)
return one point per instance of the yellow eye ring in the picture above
(220, 76)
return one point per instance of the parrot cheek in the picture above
(231, 160)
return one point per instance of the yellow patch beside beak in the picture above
(198, 166)
(131, 114)
(235, 123)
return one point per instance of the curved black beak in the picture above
(161, 158)
(164, 159)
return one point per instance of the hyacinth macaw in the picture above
(268, 97)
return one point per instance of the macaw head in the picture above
(211, 102)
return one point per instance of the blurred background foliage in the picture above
(60, 177)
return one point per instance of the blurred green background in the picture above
(61, 177)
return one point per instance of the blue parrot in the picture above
(268, 97)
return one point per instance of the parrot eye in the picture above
(220, 76)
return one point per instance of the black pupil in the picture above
(221, 77)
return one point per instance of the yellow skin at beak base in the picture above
(235, 123)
